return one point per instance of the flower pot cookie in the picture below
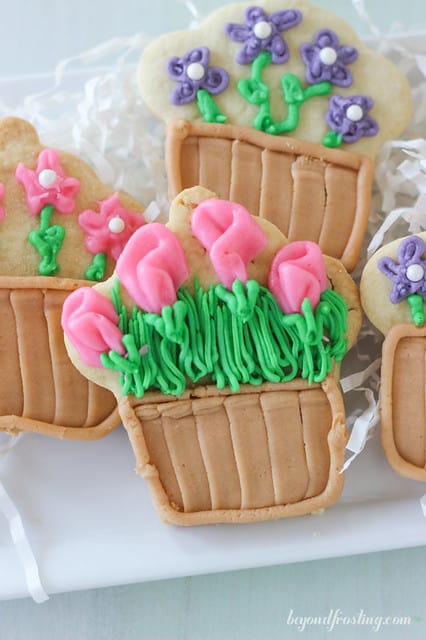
(393, 291)
(222, 342)
(60, 228)
(280, 107)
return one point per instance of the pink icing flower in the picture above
(2, 211)
(152, 267)
(90, 321)
(48, 184)
(110, 229)
(231, 236)
(297, 272)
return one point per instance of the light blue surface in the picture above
(249, 605)
(252, 604)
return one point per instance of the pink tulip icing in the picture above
(152, 267)
(231, 236)
(90, 322)
(108, 230)
(297, 272)
(48, 184)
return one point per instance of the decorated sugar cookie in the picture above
(60, 227)
(266, 104)
(222, 342)
(393, 293)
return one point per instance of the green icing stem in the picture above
(208, 107)
(47, 240)
(230, 338)
(96, 269)
(257, 92)
(416, 309)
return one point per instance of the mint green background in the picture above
(251, 604)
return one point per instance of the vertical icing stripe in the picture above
(101, 403)
(71, 388)
(246, 169)
(34, 355)
(408, 395)
(11, 392)
(251, 450)
(341, 184)
(159, 454)
(189, 163)
(215, 165)
(316, 419)
(308, 201)
(182, 440)
(276, 197)
(217, 451)
(285, 434)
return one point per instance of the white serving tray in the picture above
(91, 524)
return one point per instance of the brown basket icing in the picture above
(403, 400)
(41, 390)
(267, 452)
(308, 191)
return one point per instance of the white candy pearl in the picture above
(262, 30)
(47, 178)
(195, 71)
(415, 272)
(328, 55)
(116, 225)
(354, 113)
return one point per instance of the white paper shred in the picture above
(423, 504)
(17, 531)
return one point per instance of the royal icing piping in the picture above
(298, 272)
(231, 236)
(153, 267)
(226, 334)
(197, 80)
(326, 62)
(106, 232)
(48, 189)
(48, 184)
(90, 321)
(408, 276)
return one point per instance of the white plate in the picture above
(91, 523)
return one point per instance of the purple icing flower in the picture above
(349, 117)
(326, 59)
(409, 274)
(192, 72)
(263, 33)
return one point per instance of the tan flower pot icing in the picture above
(40, 389)
(308, 191)
(403, 400)
(267, 452)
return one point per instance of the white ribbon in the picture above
(19, 537)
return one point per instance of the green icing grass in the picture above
(228, 338)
